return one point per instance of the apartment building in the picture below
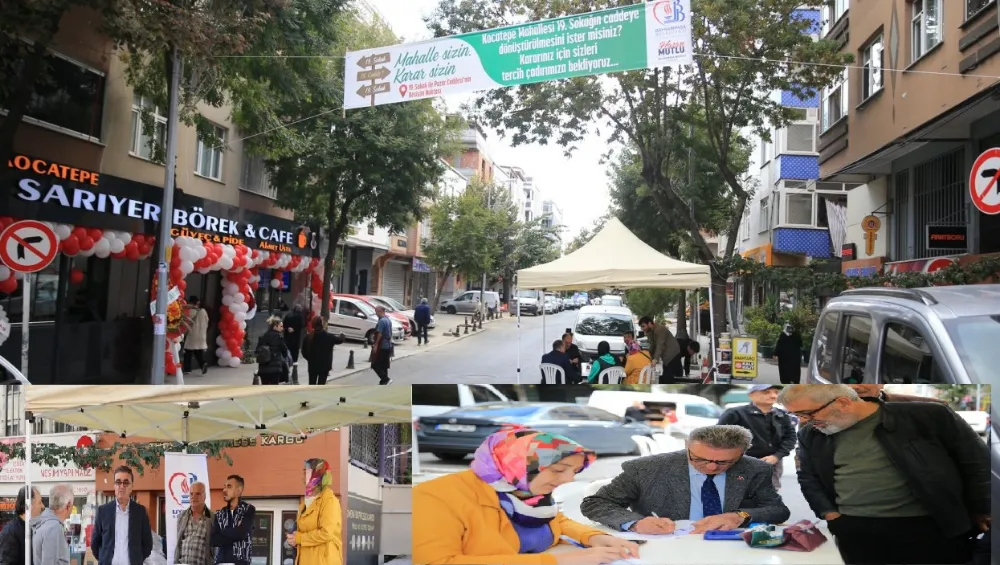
(904, 126)
(552, 217)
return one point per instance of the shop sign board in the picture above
(49, 191)
(745, 363)
(984, 182)
(13, 470)
(646, 35)
(947, 237)
(364, 526)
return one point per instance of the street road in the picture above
(491, 356)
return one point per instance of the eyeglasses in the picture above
(701, 461)
(811, 413)
(122, 483)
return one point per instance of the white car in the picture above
(356, 320)
(393, 305)
(434, 400)
(595, 324)
(978, 419)
(691, 411)
(612, 300)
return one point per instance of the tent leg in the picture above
(711, 337)
(543, 322)
(28, 492)
(518, 332)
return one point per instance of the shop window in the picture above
(800, 138)
(70, 97)
(289, 524)
(149, 129)
(261, 538)
(858, 331)
(871, 69)
(799, 209)
(907, 358)
(925, 27)
(764, 221)
(208, 161)
(973, 7)
(834, 102)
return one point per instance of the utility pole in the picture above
(166, 222)
(693, 333)
(482, 289)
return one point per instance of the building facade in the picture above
(552, 218)
(905, 126)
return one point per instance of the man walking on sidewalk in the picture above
(422, 316)
(382, 347)
(773, 431)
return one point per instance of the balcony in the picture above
(253, 178)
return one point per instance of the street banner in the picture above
(641, 36)
(181, 470)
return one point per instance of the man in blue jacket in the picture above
(122, 535)
(558, 357)
(422, 316)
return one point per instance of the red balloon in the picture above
(182, 284)
(132, 252)
(8, 285)
(95, 233)
(70, 245)
(79, 232)
(138, 239)
(76, 276)
(86, 243)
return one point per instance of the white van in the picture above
(595, 324)
(431, 400)
(692, 411)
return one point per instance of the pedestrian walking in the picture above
(422, 317)
(272, 354)
(317, 350)
(294, 324)
(788, 351)
(111, 543)
(12, 536)
(196, 339)
(381, 354)
(48, 532)
(194, 528)
(773, 430)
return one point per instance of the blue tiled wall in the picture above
(809, 242)
(802, 167)
(815, 19)
(789, 99)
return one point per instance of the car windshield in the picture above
(365, 307)
(527, 294)
(975, 337)
(380, 302)
(394, 304)
(611, 301)
(604, 325)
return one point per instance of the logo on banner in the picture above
(669, 12)
(179, 486)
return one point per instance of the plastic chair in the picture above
(647, 446)
(611, 376)
(646, 375)
(667, 443)
(552, 374)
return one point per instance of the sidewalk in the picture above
(243, 375)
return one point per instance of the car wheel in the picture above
(453, 457)
(451, 310)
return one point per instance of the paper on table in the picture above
(684, 528)
(629, 562)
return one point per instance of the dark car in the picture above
(454, 435)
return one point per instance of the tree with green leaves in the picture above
(747, 49)
(522, 244)
(377, 164)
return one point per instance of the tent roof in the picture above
(615, 258)
(203, 413)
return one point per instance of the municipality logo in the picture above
(179, 486)
(669, 12)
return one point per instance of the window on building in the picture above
(834, 103)
(800, 184)
(973, 7)
(764, 221)
(855, 355)
(364, 447)
(254, 178)
(745, 224)
(799, 209)
(907, 358)
(925, 27)
(208, 161)
(799, 114)
(71, 97)
(149, 133)
(801, 138)
(833, 10)
(871, 68)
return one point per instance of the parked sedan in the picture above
(453, 435)
(393, 305)
(395, 316)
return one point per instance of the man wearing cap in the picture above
(772, 428)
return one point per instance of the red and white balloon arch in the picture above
(239, 265)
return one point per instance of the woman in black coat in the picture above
(12, 536)
(317, 350)
(272, 354)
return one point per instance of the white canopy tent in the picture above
(205, 413)
(614, 258)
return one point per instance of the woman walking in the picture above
(196, 340)
(272, 354)
(317, 350)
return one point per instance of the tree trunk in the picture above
(439, 287)
(719, 303)
(507, 288)
(682, 331)
(333, 222)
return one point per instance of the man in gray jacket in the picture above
(663, 346)
(48, 539)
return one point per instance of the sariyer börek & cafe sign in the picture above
(48, 191)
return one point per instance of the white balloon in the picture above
(187, 267)
(240, 316)
(125, 237)
(227, 300)
(63, 231)
(4, 275)
(242, 325)
(102, 246)
(220, 341)
(234, 307)
(275, 283)
(220, 350)
(204, 270)
(226, 263)
(234, 362)
(244, 307)
(103, 253)
(117, 246)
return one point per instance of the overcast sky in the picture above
(578, 185)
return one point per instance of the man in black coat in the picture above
(558, 357)
(773, 430)
(680, 366)
(897, 482)
(138, 545)
(12, 536)
(295, 324)
(788, 351)
(317, 350)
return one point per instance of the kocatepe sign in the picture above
(53, 192)
(641, 36)
(13, 470)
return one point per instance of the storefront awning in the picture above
(204, 413)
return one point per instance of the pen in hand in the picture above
(572, 541)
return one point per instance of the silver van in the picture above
(468, 302)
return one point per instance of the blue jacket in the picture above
(422, 314)
(140, 535)
(561, 359)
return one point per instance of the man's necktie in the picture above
(711, 504)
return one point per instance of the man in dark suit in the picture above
(712, 483)
(122, 535)
(558, 357)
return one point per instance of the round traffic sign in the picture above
(984, 182)
(28, 246)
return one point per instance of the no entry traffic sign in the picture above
(28, 246)
(984, 182)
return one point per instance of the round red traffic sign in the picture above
(984, 182)
(28, 246)
(938, 264)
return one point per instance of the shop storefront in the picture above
(91, 308)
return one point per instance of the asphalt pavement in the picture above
(491, 356)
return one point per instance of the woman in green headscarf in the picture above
(317, 540)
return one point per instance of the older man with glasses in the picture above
(122, 535)
(897, 482)
(712, 483)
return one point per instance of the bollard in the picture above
(458, 330)
(295, 373)
(466, 329)
(350, 360)
(467, 320)
(256, 378)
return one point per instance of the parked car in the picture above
(356, 319)
(468, 302)
(393, 305)
(432, 400)
(402, 319)
(552, 305)
(936, 335)
(529, 301)
(612, 300)
(595, 324)
(978, 419)
(691, 411)
(569, 304)
(454, 435)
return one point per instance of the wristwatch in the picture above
(745, 516)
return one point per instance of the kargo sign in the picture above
(54, 192)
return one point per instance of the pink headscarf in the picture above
(634, 347)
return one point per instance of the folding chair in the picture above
(611, 376)
(552, 374)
